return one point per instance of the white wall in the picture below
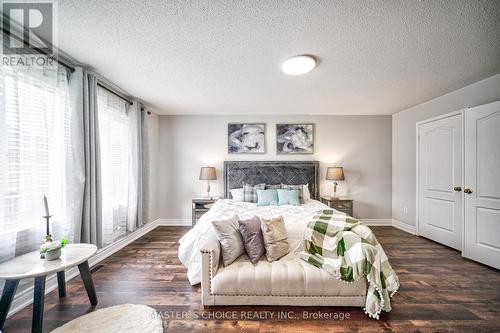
(404, 141)
(361, 144)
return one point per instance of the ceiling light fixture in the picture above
(299, 65)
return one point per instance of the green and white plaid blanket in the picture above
(349, 250)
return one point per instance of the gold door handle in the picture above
(468, 191)
(457, 189)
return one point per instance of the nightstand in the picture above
(340, 204)
(200, 206)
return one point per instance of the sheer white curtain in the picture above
(37, 157)
(115, 147)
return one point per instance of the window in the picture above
(36, 156)
(114, 157)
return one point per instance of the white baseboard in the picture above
(389, 222)
(405, 227)
(377, 222)
(370, 222)
(175, 222)
(186, 222)
(25, 297)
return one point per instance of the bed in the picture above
(288, 281)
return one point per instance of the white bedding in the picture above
(295, 217)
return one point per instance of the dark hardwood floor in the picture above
(440, 292)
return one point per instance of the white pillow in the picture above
(237, 194)
(306, 195)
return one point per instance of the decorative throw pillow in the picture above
(230, 240)
(237, 194)
(267, 197)
(306, 194)
(288, 197)
(273, 187)
(275, 238)
(252, 238)
(295, 187)
(249, 194)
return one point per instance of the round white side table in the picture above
(30, 265)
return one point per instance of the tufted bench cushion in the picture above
(285, 277)
(289, 281)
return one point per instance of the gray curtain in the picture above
(84, 97)
(145, 167)
(139, 167)
(92, 198)
(84, 100)
(134, 219)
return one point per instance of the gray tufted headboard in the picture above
(271, 172)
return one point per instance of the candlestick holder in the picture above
(48, 236)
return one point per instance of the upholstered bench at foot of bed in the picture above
(284, 282)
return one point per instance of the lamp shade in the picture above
(335, 173)
(207, 173)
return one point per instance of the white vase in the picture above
(53, 255)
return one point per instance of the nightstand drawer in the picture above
(199, 213)
(347, 211)
(200, 207)
(342, 205)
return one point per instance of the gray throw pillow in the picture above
(275, 238)
(295, 187)
(273, 187)
(229, 237)
(251, 233)
(249, 192)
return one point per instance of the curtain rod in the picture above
(103, 85)
(113, 91)
(70, 67)
(60, 61)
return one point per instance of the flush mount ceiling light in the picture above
(299, 65)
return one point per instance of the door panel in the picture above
(440, 153)
(440, 170)
(438, 213)
(488, 227)
(488, 156)
(482, 177)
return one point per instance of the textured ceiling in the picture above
(224, 57)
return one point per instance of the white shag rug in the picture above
(130, 318)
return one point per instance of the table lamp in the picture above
(208, 174)
(335, 173)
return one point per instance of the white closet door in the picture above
(440, 215)
(482, 180)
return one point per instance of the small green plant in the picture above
(51, 246)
